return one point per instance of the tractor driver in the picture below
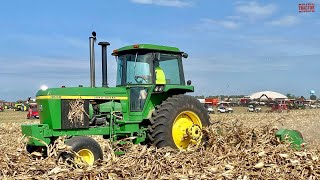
(160, 76)
(159, 73)
(160, 79)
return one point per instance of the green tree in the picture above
(199, 97)
(290, 96)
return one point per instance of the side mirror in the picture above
(185, 55)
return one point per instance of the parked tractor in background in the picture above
(19, 106)
(299, 105)
(148, 105)
(32, 111)
(278, 106)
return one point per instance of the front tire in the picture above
(87, 148)
(178, 122)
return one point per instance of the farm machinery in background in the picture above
(276, 105)
(296, 104)
(32, 109)
(224, 107)
(148, 105)
(5, 105)
(209, 104)
(20, 106)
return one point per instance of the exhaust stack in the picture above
(104, 63)
(92, 40)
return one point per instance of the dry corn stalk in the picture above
(241, 145)
(76, 111)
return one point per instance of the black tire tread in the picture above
(159, 132)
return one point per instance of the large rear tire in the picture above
(87, 148)
(178, 122)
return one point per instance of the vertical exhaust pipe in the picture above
(104, 63)
(92, 40)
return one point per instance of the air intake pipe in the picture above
(92, 40)
(104, 63)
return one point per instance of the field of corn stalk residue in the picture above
(239, 146)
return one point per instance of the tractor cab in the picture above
(149, 64)
(146, 69)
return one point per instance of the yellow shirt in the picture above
(160, 77)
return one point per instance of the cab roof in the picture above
(152, 47)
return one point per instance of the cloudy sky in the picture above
(234, 47)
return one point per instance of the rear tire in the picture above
(173, 118)
(87, 148)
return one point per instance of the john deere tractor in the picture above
(148, 104)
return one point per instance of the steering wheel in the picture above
(143, 78)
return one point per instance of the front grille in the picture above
(74, 114)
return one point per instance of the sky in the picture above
(234, 47)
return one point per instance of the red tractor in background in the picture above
(33, 111)
(279, 106)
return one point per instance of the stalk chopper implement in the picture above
(148, 105)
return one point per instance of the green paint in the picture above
(37, 132)
(291, 136)
(149, 47)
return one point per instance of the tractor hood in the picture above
(52, 102)
(118, 93)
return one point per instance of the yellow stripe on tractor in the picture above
(83, 97)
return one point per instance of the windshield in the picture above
(138, 68)
(144, 68)
(172, 68)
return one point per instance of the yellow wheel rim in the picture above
(185, 129)
(86, 156)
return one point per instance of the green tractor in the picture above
(148, 104)
(20, 106)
